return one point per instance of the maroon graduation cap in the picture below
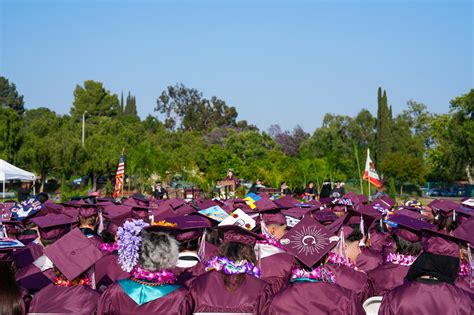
(73, 254)
(309, 241)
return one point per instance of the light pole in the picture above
(83, 126)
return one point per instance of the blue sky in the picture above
(284, 62)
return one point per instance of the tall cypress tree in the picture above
(383, 136)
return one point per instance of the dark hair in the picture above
(214, 236)
(445, 222)
(42, 197)
(189, 245)
(10, 298)
(356, 235)
(405, 247)
(236, 251)
(107, 236)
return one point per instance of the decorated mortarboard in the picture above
(253, 197)
(408, 227)
(73, 254)
(352, 196)
(5, 212)
(309, 241)
(468, 202)
(239, 218)
(26, 208)
(215, 213)
(206, 203)
(10, 243)
(235, 233)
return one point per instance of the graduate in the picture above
(152, 286)
(275, 263)
(91, 223)
(430, 288)
(406, 247)
(313, 288)
(71, 291)
(231, 283)
(342, 259)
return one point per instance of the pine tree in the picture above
(131, 106)
(383, 136)
(120, 107)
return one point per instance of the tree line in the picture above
(201, 138)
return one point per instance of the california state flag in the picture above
(370, 174)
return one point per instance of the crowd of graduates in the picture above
(344, 255)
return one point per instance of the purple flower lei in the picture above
(109, 248)
(156, 277)
(340, 260)
(400, 259)
(320, 274)
(230, 267)
(129, 241)
(464, 269)
(269, 240)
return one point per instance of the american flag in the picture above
(119, 176)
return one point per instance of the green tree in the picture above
(9, 96)
(193, 112)
(39, 148)
(94, 99)
(383, 135)
(10, 127)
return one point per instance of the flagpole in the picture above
(368, 178)
(123, 180)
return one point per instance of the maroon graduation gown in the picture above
(353, 280)
(108, 270)
(33, 279)
(115, 301)
(378, 241)
(316, 298)
(386, 277)
(463, 283)
(78, 299)
(210, 295)
(185, 276)
(427, 297)
(368, 259)
(276, 270)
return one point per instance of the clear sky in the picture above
(284, 62)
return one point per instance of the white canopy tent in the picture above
(11, 172)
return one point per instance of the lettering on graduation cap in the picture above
(342, 201)
(308, 241)
(26, 208)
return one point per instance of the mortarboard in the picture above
(408, 227)
(52, 225)
(190, 226)
(73, 254)
(274, 217)
(234, 233)
(309, 241)
(265, 205)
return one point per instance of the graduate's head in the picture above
(406, 247)
(158, 250)
(275, 222)
(352, 239)
(10, 300)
